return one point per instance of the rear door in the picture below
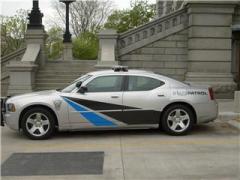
(142, 100)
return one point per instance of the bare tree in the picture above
(87, 15)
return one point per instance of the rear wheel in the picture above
(177, 120)
(38, 123)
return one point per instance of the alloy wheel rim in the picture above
(37, 124)
(178, 120)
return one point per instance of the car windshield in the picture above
(72, 86)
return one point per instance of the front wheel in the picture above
(177, 120)
(38, 123)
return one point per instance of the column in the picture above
(209, 46)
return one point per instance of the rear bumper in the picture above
(206, 112)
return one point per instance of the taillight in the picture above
(211, 93)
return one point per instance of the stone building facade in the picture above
(193, 41)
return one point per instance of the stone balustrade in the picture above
(151, 31)
(15, 56)
(5, 60)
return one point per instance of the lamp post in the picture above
(67, 35)
(35, 17)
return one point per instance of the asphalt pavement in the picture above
(211, 151)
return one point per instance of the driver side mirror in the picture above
(83, 89)
(78, 85)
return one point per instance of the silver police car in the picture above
(112, 99)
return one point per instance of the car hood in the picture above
(33, 94)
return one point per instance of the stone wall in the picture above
(236, 17)
(167, 56)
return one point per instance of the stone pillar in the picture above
(67, 51)
(22, 77)
(38, 36)
(67, 37)
(107, 48)
(35, 32)
(209, 46)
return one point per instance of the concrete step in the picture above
(74, 73)
(59, 74)
(54, 80)
(66, 69)
(46, 88)
(51, 85)
(67, 77)
(81, 68)
(77, 62)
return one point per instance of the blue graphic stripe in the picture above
(90, 116)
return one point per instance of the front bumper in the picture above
(3, 110)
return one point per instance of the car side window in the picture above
(141, 83)
(105, 84)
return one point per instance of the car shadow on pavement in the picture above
(214, 128)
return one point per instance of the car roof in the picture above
(130, 71)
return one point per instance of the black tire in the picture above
(169, 113)
(44, 113)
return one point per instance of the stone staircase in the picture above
(58, 74)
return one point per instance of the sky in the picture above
(9, 7)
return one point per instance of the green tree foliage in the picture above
(85, 46)
(140, 13)
(13, 29)
(54, 43)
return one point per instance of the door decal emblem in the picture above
(94, 118)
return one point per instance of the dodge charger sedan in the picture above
(112, 99)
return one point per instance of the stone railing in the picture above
(22, 73)
(152, 31)
(5, 60)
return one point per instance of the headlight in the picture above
(11, 107)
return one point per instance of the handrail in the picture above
(5, 60)
(13, 54)
(152, 23)
(152, 31)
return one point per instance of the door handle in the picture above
(160, 95)
(114, 97)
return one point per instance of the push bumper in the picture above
(3, 110)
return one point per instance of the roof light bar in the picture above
(120, 68)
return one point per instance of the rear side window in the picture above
(141, 83)
(105, 84)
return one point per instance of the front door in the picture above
(95, 107)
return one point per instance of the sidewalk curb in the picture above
(234, 124)
(230, 118)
